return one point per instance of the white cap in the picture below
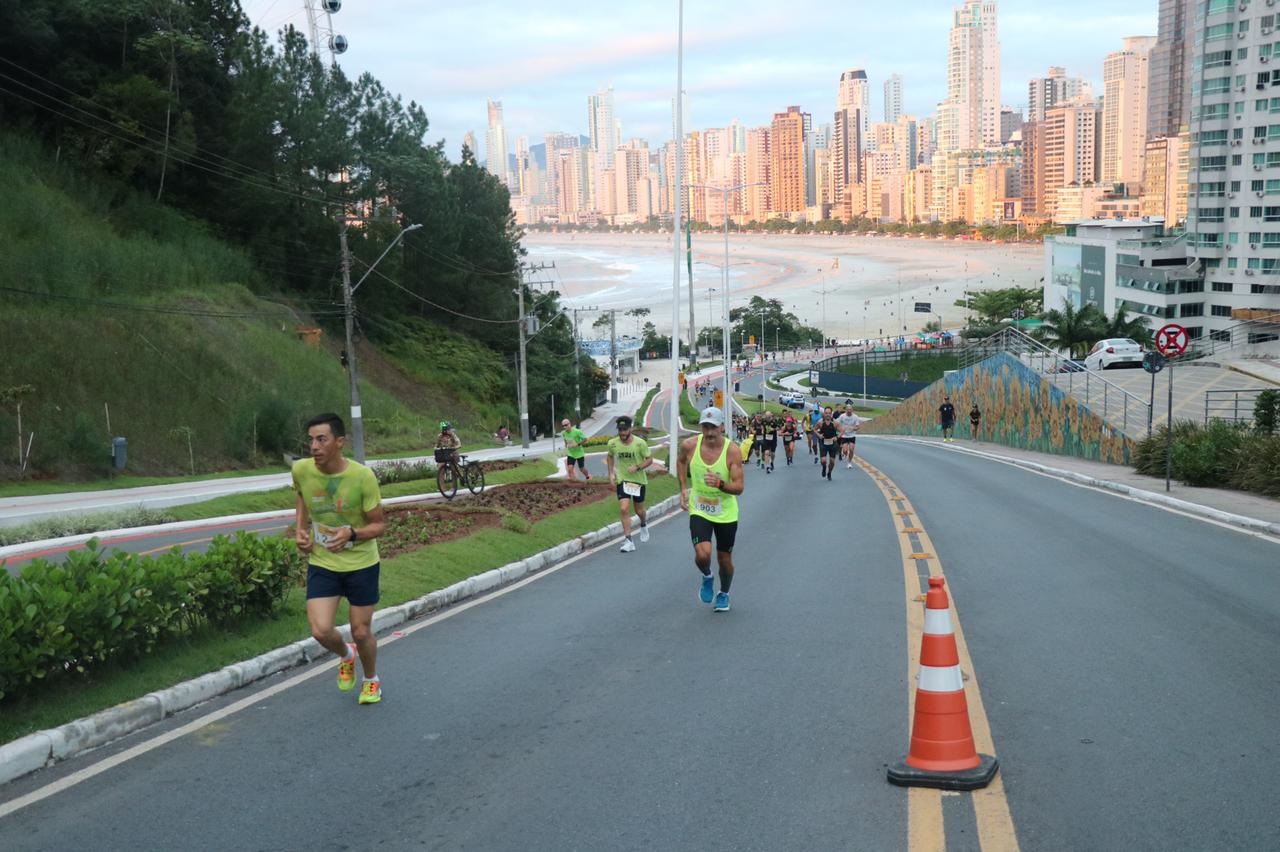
(711, 415)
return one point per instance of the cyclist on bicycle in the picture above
(448, 439)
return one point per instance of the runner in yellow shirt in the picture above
(338, 516)
(709, 469)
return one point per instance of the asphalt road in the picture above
(1120, 652)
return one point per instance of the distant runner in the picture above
(947, 419)
(628, 458)
(849, 424)
(827, 431)
(576, 456)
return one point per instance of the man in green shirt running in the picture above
(627, 459)
(577, 457)
(710, 467)
(338, 517)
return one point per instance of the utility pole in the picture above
(613, 355)
(348, 303)
(577, 358)
(525, 325)
(693, 344)
(523, 401)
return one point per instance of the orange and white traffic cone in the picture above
(942, 753)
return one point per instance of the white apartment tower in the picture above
(602, 128)
(854, 93)
(970, 116)
(1233, 217)
(1124, 110)
(892, 98)
(495, 145)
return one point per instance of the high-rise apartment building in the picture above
(556, 143)
(1233, 220)
(1169, 89)
(845, 158)
(602, 129)
(469, 142)
(759, 197)
(1044, 93)
(1032, 178)
(1124, 111)
(1072, 145)
(970, 116)
(854, 92)
(892, 98)
(1164, 181)
(630, 171)
(787, 176)
(495, 145)
(1011, 121)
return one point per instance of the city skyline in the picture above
(760, 63)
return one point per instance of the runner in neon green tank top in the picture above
(709, 469)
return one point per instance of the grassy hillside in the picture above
(146, 319)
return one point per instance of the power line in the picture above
(439, 307)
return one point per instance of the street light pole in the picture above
(678, 182)
(348, 302)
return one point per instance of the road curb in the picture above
(45, 748)
(1140, 494)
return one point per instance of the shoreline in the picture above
(867, 280)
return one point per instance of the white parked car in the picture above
(791, 399)
(1114, 352)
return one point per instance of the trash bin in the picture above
(119, 453)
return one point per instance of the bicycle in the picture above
(453, 470)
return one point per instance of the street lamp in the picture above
(724, 205)
(348, 293)
(824, 291)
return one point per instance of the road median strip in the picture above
(45, 748)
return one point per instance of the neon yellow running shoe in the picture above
(371, 692)
(347, 671)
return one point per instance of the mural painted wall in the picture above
(1018, 410)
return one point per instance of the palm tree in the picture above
(1135, 329)
(1071, 329)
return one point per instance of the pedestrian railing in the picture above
(1127, 412)
(1233, 406)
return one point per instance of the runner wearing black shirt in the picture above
(770, 442)
(947, 418)
(828, 432)
(789, 436)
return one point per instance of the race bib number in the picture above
(324, 534)
(828, 440)
(631, 489)
(706, 504)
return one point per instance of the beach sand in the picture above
(866, 279)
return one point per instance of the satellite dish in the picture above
(332, 6)
(338, 43)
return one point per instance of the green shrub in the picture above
(515, 523)
(1266, 412)
(1208, 457)
(65, 525)
(1259, 468)
(56, 619)
(1149, 456)
(403, 471)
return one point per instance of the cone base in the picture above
(965, 779)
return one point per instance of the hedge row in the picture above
(1220, 455)
(71, 617)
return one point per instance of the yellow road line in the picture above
(925, 826)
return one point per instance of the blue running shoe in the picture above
(708, 588)
(722, 602)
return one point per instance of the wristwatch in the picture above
(354, 537)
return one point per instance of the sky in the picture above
(743, 59)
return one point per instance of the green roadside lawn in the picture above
(404, 578)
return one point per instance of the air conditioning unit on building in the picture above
(1257, 168)
(1248, 272)
(1253, 245)
(1266, 30)
(1241, 35)
(1231, 195)
(1264, 59)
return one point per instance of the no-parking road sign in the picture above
(1172, 340)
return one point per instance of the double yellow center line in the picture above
(925, 826)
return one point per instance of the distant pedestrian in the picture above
(576, 456)
(975, 421)
(339, 508)
(627, 459)
(947, 419)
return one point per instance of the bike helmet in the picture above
(445, 425)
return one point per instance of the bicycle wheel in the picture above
(475, 477)
(447, 481)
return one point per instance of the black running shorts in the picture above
(622, 495)
(360, 588)
(702, 529)
(832, 450)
